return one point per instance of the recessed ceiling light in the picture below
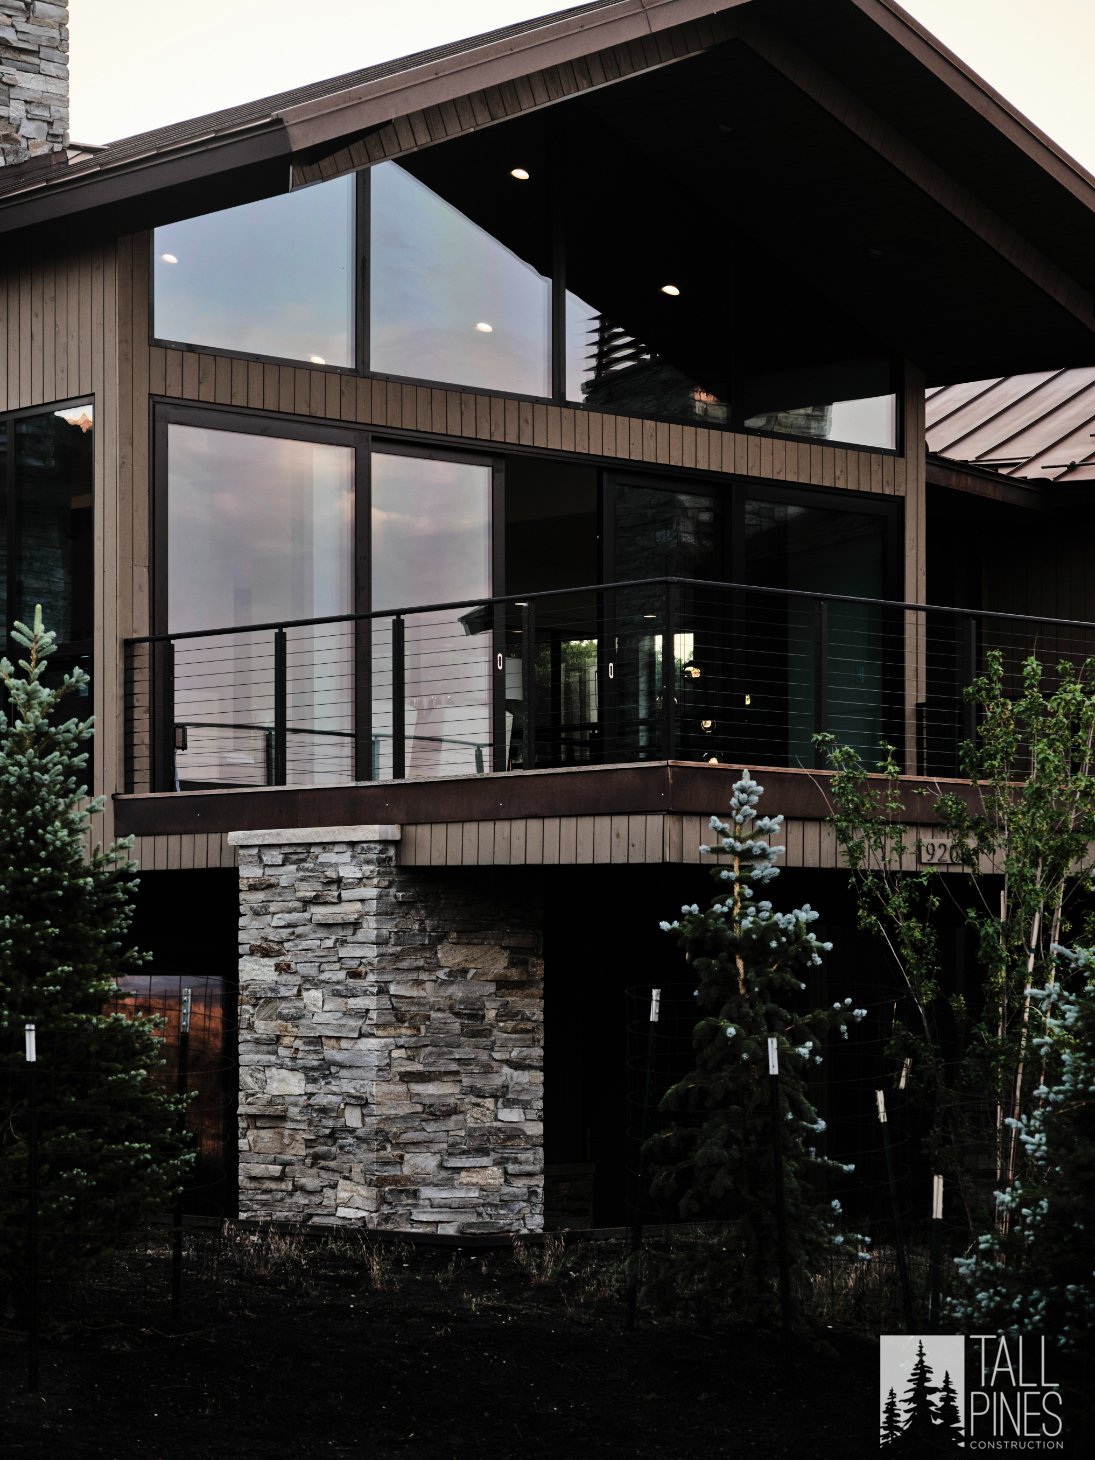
(520, 173)
(316, 360)
(484, 328)
(671, 290)
(169, 258)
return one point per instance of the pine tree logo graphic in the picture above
(922, 1385)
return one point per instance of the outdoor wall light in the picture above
(520, 173)
(707, 726)
(316, 360)
(671, 290)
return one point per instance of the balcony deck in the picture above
(593, 726)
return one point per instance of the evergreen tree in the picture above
(891, 1420)
(111, 1147)
(948, 1415)
(919, 1427)
(715, 1163)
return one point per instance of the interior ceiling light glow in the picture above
(484, 328)
(671, 290)
(316, 360)
(520, 173)
(169, 258)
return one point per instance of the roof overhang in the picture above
(867, 160)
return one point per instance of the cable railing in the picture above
(611, 673)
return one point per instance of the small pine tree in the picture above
(715, 1163)
(919, 1427)
(111, 1147)
(948, 1415)
(891, 1420)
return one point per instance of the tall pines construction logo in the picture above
(966, 1392)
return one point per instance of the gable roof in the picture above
(926, 199)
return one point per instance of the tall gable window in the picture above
(267, 278)
(448, 301)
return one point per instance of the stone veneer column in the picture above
(390, 1038)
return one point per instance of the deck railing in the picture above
(664, 668)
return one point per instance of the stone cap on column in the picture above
(304, 835)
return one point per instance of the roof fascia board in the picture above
(314, 123)
(1031, 496)
(931, 179)
(934, 56)
(147, 177)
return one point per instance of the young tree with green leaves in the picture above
(1034, 1273)
(1024, 837)
(715, 1161)
(111, 1146)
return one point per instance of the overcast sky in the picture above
(138, 64)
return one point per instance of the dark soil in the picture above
(291, 1348)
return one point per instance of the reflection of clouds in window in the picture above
(430, 531)
(437, 278)
(259, 528)
(267, 278)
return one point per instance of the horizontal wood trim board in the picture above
(561, 841)
(210, 378)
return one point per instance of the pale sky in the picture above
(138, 64)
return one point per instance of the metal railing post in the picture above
(821, 672)
(669, 676)
(163, 716)
(528, 675)
(281, 697)
(967, 671)
(399, 704)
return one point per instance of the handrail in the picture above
(667, 582)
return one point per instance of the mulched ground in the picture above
(289, 1348)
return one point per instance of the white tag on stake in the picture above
(655, 1004)
(32, 1044)
(773, 1055)
(880, 1101)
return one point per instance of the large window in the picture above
(267, 278)
(46, 537)
(478, 274)
(449, 301)
(259, 529)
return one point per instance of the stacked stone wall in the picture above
(33, 78)
(391, 1042)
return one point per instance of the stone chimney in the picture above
(33, 79)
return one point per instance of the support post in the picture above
(528, 676)
(669, 676)
(898, 1238)
(177, 1223)
(821, 672)
(399, 702)
(967, 670)
(637, 1223)
(935, 1251)
(30, 1036)
(281, 707)
(777, 1174)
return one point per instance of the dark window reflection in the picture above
(448, 301)
(851, 402)
(824, 551)
(609, 369)
(268, 278)
(54, 473)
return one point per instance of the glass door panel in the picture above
(431, 543)
(260, 529)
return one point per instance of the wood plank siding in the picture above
(548, 841)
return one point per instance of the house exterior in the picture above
(453, 473)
